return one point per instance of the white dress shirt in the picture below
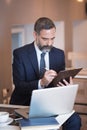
(46, 57)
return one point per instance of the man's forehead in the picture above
(47, 33)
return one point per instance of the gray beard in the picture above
(44, 48)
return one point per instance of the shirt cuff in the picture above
(39, 86)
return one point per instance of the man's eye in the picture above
(53, 38)
(45, 39)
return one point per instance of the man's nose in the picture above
(50, 42)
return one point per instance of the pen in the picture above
(18, 118)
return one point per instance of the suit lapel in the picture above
(51, 60)
(33, 59)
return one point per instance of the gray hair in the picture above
(43, 23)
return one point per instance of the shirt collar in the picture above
(37, 49)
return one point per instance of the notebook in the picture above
(39, 123)
(50, 102)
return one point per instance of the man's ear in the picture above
(35, 35)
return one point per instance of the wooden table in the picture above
(16, 126)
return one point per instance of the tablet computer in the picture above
(65, 74)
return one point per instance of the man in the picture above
(28, 73)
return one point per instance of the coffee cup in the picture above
(4, 116)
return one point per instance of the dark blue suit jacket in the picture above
(26, 71)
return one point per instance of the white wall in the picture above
(80, 36)
(80, 41)
(60, 35)
(27, 31)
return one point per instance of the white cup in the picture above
(4, 116)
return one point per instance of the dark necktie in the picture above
(42, 65)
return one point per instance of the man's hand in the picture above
(65, 82)
(49, 75)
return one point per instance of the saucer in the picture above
(7, 122)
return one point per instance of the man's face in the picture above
(45, 39)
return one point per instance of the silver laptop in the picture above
(50, 102)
